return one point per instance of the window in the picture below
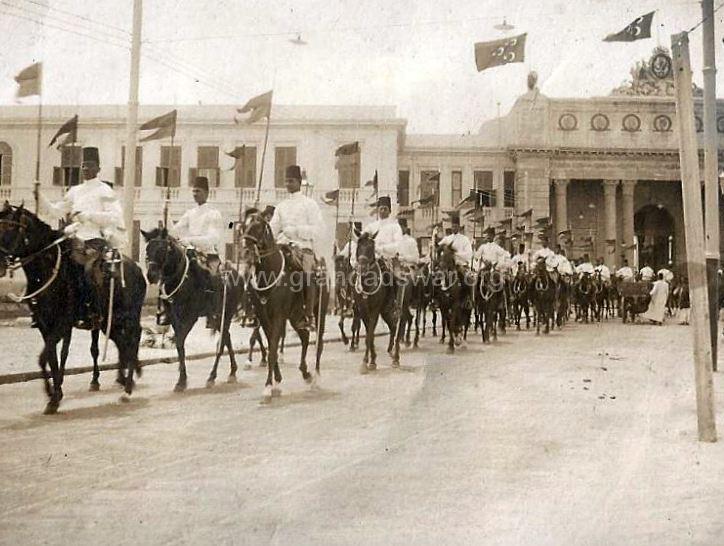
(348, 170)
(139, 167)
(168, 173)
(484, 185)
(457, 188)
(509, 189)
(6, 164)
(68, 174)
(245, 169)
(283, 157)
(430, 185)
(403, 188)
(207, 164)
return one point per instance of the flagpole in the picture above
(336, 223)
(168, 186)
(129, 173)
(351, 229)
(36, 184)
(241, 204)
(263, 157)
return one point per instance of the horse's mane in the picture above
(45, 228)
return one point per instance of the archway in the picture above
(654, 227)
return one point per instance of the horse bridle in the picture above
(259, 254)
(167, 244)
(20, 235)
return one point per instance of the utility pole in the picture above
(711, 174)
(694, 226)
(129, 169)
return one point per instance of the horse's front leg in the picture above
(345, 340)
(371, 326)
(94, 351)
(56, 393)
(181, 331)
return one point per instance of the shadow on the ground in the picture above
(299, 397)
(108, 410)
(221, 387)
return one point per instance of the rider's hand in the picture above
(70, 229)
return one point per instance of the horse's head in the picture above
(21, 232)
(446, 257)
(158, 250)
(257, 240)
(366, 249)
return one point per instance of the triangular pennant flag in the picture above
(639, 29)
(166, 125)
(374, 183)
(28, 80)
(238, 154)
(347, 149)
(259, 106)
(331, 197)
(69, 128)
(498, 52)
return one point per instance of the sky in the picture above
(415, 55)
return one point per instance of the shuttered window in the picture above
(245, 169)
(139, 167)
(169, 170)
(283, 157)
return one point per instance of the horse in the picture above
(543, 296)
(420, 298)
(276, 294)
(345, 301)
(52, 292)
(491, 301)
(181, 283)
(450, 295)
(584, 292)
(519, 298)
(376, 295)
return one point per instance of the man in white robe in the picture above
(657, 307)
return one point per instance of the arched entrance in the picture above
(654, 227)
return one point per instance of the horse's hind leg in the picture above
(181, 331)
(345, 340)
(232, 358)
(56, 393)
(64, 349)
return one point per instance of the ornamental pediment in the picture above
(653, 77)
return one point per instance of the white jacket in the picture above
(297, 220)
(462, 247)
(200, 227)
(388, 236)
(99, 205)
(409, 253)
(492, 253)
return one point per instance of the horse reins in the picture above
(53, 276)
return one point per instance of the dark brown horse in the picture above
(182, 285)
(376, 295)
(543, 296)
(450, 292)
(519, 295)
(275, 291)
(53, 290)
(344, 296)
(491, 300)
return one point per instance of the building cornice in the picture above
(592, 152)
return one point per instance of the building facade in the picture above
(604, 171)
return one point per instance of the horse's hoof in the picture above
(408, 343)
(180, 387)
(263, 363)
(442, 340)
(450, 350)
(308, 379)
(276, 391)
(352, 348)
(129, 387)
(372, 366)
(395, 363)
(125, 398)
(316, 382)
(210, 383)
(51, 408)
(94, 386)
(267, 394)
(231, 378)
(139, 370)
(121, 380)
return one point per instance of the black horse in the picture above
(491, 300)
(376, 295)
(584, 292)
(182, 285)
(543, 296)
(52, 293)
(450, 293)
(519, 295)
(344, 297)
(275, 292)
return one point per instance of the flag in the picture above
(475, 198)
(238, 154)
(166, 125)
(497, 52)
(28, 80)
(374, 183)
(259, 106)
(331, 197)
(639, 29)
(69, 128)
(347, 149)
(426, 201)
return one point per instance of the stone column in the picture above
(561, 187)
(628, 187)
(609, 204)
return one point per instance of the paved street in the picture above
(583, 437)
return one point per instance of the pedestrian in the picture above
(684, 302)
(657, 306)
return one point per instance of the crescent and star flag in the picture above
(639, 29)
(28, 80)
(259, 106)
(331, 197)
(166, 125)
(497, 52)
(69, 128)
